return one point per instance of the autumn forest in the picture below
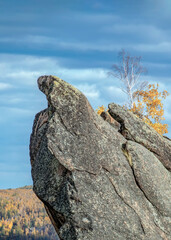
(23, 217)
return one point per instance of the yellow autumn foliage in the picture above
(149, 107)
(22, 216)
(100, 109)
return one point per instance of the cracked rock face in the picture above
(99, 179)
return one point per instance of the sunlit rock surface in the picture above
(97, 179)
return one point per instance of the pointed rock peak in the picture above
(47, 83)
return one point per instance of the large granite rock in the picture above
(98, 179)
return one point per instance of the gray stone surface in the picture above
(99, 180)
(133, 128)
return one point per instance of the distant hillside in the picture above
(22, 216)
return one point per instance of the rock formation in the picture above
(99, 179)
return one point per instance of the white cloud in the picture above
(160, 41)
(14, 100)
(114, 89)
(161, 65)
(9, 114)
(115, 94)
(162, 47)
(55, 43)
(90, 91)
(20, 111)
(88, 74)
(4, 86)
(150, 31)
(24, 70)
(164, 82)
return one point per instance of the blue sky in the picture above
(78, 41)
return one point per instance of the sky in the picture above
(77, 41)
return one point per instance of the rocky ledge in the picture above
(99, 179)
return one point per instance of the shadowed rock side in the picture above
(99, 180)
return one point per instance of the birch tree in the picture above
(128, 71)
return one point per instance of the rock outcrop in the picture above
(99, 179)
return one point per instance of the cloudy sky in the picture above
(78, 41)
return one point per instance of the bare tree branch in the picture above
(129, 71)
